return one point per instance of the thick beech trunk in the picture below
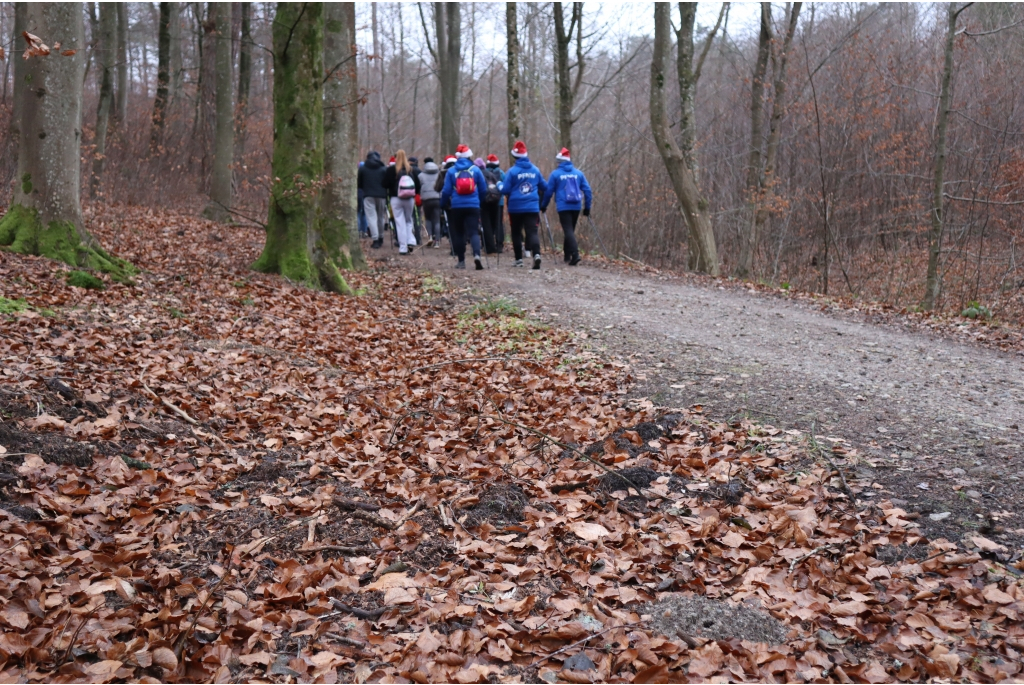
(163, 74)
(244, 79)
(295, 246)
(219, 205)
(694, 207)
(338, 210)
(448, 22)
(45, 216)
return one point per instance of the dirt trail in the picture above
(918, 407)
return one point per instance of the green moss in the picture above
(22, 231)
(26, 183)
(81, 279)
(13, 306)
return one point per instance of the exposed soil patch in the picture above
(500, 506)
(699, 617)
(639, 476)
(53, 448)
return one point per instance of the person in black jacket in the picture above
(375, 196)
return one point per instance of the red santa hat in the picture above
(463, 152)
(563, 155)
(391, 161)
(492, 159)
(519, 149)
(450, 159)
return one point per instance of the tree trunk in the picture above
(441, 31)
(175, 55)
(45, 216)
(20, 68)
(163, 75)
(451, 105)
(244, 78)
(687, 117)
(566, 94)
(219, 206)
(122, 62)
(512, 33)
(338, 210)
(694, 207)
(933, 282)
(207, 91)
(748, 243)
(767, 183)
(106, 52)
(296, 247)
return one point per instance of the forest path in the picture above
(913, 403)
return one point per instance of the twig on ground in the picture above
(179, 644)
(345, 640)
(169, 405)
(355, 551)
(821, 452)
(538, 662)
(359, 613)
(799, 560)
(475, 359)
(378, 520)
(350, 505)
(74, 636)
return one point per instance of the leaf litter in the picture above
(334, 497)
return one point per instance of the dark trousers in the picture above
(463, 225)
(520, 223)
(494, 231)
(568, 220)
(432, 219)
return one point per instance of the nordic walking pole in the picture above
(551, 236)
(599, 238)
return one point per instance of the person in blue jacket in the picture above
(524, 185)
(464, 190)
(572, 194)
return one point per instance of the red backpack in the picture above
(465, 184)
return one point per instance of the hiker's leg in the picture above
(515, 224)
(530, 223)
(431, 220)
(396, 211)
(456, 231)
(370, 208)
(382, 216)
(485, 223)
(409, 212)
(499, 237)
(568, 220)
(472, 228)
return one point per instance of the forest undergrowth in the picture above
(215, 475)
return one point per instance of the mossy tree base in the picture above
(22, 231)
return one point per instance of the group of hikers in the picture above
(465, 199)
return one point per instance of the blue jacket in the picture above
(449, 198)
(556, 187)
(524, 186)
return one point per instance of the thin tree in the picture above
(449, 23)
(566, 88)
(761, 180)
(163, 74)
(20, 86)
(338, 211)
(512, 34)
(219, 206)
(933, 280)
(694, 207)
(688, 75)
(121, 101)
(45, 215)
(106, 53)
(244, 78)
(295, 245)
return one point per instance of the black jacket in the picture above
(391, 177)
(371, 177)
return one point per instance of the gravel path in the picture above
(916, 405)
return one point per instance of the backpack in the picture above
(465, 184)
(406, 187)
(492, 178)
(572, 189)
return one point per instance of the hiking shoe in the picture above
(518, 263)
(437, 245)
(575, 260)
(526, 254)
(536, 261)
(479, 264)
(376, 244)
(461, 265)
(430, 242)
